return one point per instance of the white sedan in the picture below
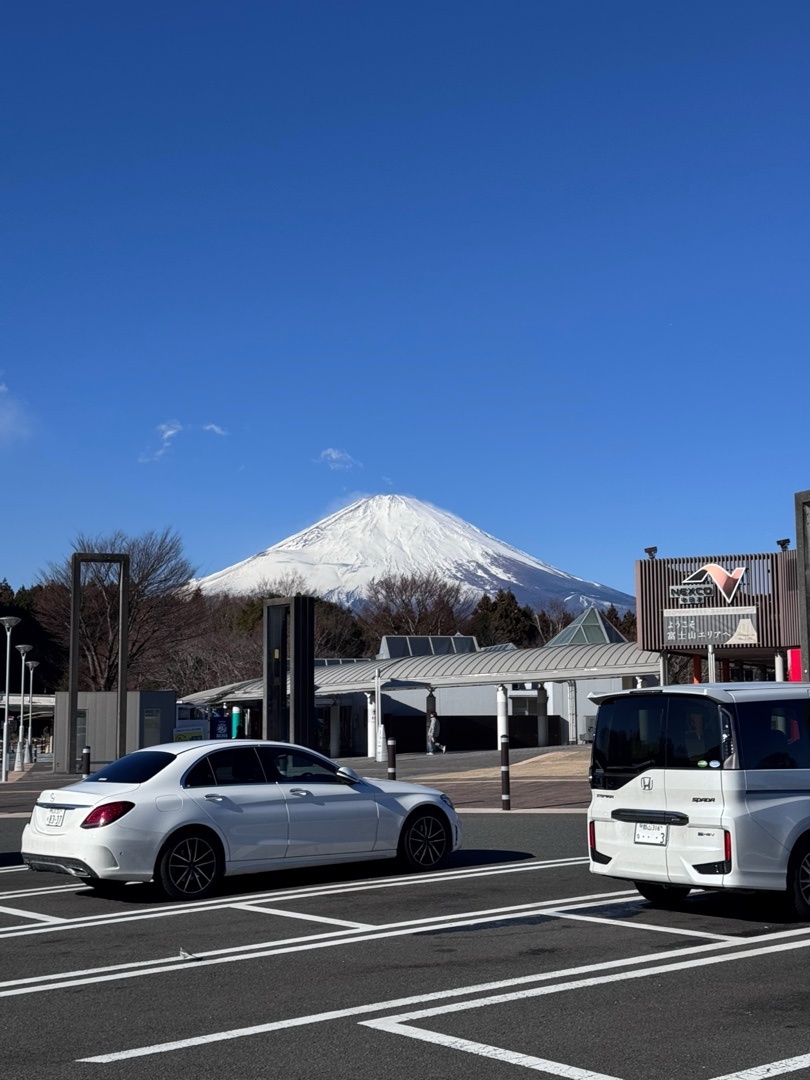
(185, 814)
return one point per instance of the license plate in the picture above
(651, 834)
(55, 817)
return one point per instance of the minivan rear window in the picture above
(629, 733)
(134, 768)
(646, 731)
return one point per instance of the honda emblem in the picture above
(646, 783)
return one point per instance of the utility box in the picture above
(151, 718)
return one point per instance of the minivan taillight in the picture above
(592, 835)
(727, 845)
(106, 814)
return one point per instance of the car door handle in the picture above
(298, 791)
(216, 798)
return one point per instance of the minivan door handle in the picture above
(298, 791)
(215, 798)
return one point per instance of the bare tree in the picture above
(163, 611)
(415, 604)
(553, 619)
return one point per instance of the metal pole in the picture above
(73, 663)
(31, 664)
(85, 762)
(19, 759)
(392, 759)
(506, 798)
(9, 621)
(123, 649)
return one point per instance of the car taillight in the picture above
(106, 814)
(592, 835)
(727, 836)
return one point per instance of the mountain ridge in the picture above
(397, 534)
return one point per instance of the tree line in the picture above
(181, 639)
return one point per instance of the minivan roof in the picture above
(725, 692)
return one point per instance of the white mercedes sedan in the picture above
(186, 814)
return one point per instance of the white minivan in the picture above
(703, 786)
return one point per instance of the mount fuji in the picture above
(395, 534)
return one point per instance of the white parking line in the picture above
(286, 895)
(775, 1068)
(698, 954)
(238, 953)
(497, 1053)
(30, 915)
(306, 918)
(625, 924)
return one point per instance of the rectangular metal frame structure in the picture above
(289, 635)
(77, 560)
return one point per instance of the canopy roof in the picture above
(469, 669)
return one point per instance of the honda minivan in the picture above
(703, 787)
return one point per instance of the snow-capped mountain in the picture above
(394, 534)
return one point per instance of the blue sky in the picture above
(542, 264)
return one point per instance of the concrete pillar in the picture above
(334, 730)
(779, 661)
(573, 719)
(503, 715)
(712, 664)
(542, 715)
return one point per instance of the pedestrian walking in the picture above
(434, 727)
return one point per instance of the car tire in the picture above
(798, 881)
(424, 843)
(189, 866)
(663, 896)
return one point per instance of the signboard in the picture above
(189, 732)
(710, 626)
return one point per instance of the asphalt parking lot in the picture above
(512, 960)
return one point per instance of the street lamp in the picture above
(9, 621)
(19, 760)
(30, 664)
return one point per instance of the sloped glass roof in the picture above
(589, 628)
(396, 646)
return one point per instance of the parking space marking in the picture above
(41, 891)
(527, 1061)
(30, 915)
(775, 1068)
(238, 953)
(311, 891)
(300, 915)
(561, 914)
(701, 955)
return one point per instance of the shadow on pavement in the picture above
(235, 887)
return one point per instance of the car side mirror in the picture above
(349, 775)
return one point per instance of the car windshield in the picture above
(134, 768)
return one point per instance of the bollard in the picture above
(85, 762)
(392, 759)
(506, 798)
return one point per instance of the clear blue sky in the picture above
(542, 264)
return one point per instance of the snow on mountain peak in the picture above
(396, 534)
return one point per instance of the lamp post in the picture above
(19, 760)
(9, 621)
(19, 757)
(30, 664)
